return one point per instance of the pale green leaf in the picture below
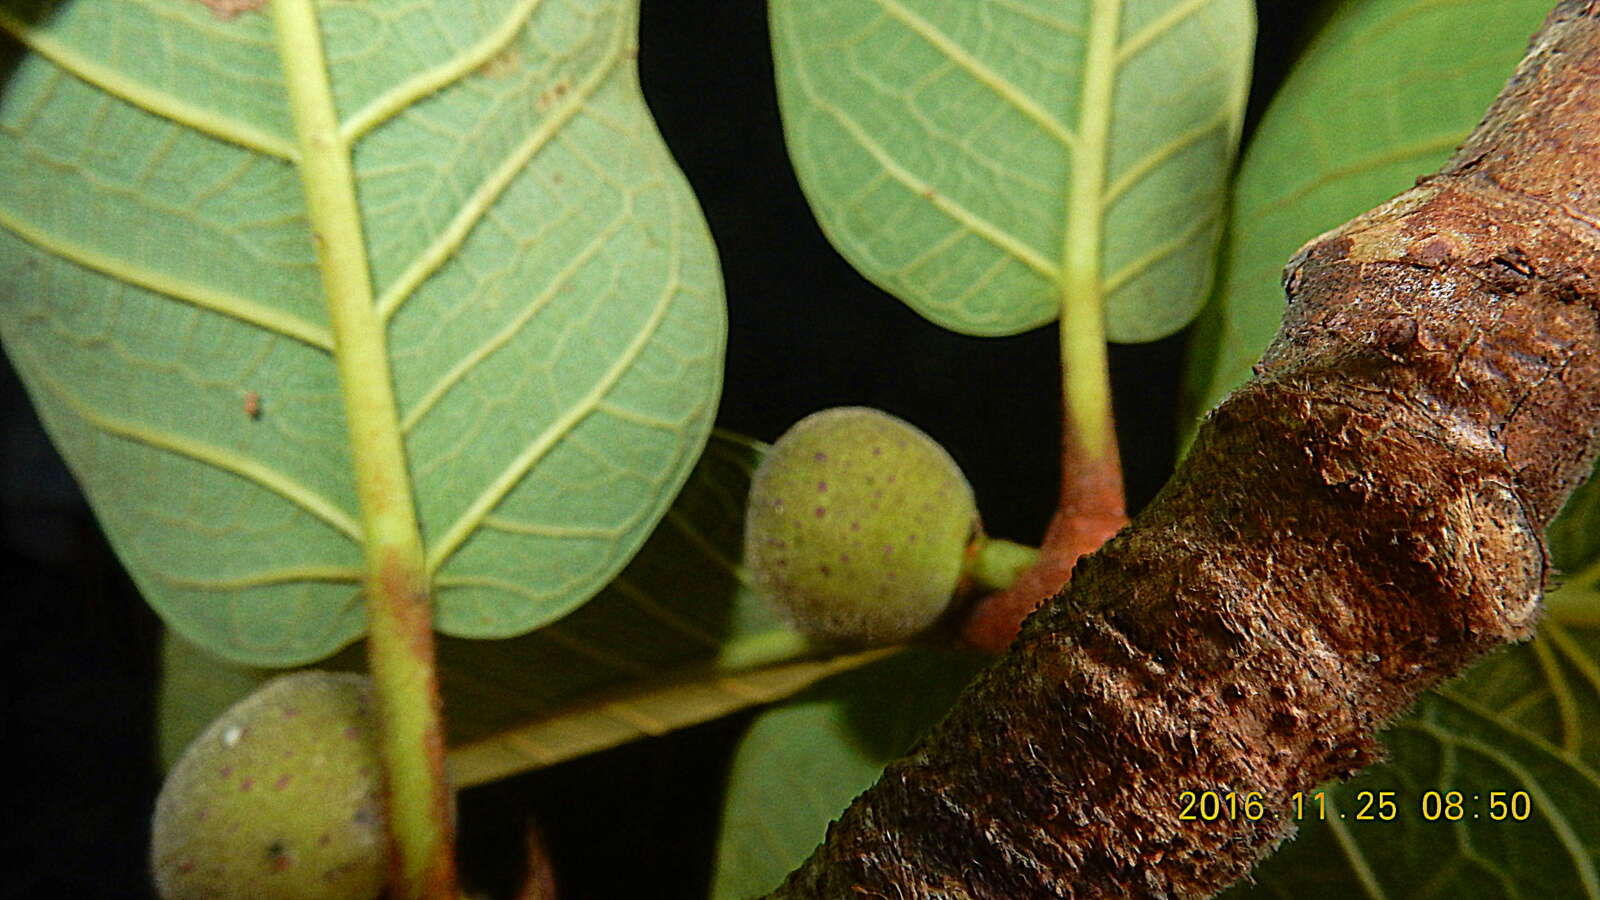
(679, 638)
(547, 296)
(801, 764)
(989, 161)
(1383, 95)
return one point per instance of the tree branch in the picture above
(1359, 522)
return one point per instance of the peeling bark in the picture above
(1359, 522)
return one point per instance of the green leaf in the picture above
(526, 271)
(680, 637)
(989, 161)
(1384, 94)
(1574, 539)
(1527, 719)
(801, 764)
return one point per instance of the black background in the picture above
(806, 332)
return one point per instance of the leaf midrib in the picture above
(383, 484)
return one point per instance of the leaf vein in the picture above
(217, 457)
(1566, 706)
(642, 601)
(541, 529)
(693, 535)
(1565, 833)
(1157, 27)
(228, 304)
(1166, 152)
(509, 477)
(980, 71)
(505, 335)
(962, 216)
(287, 575)
(484, 197)
(150, 99)
(1353, 854)
(1139, 266)
(388, 104)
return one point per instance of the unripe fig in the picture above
(279, 799)
(858, 526)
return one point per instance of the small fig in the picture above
(279, 799)
(858, 526)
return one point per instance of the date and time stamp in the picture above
(1368, 806)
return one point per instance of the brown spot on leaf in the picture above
(502, 64)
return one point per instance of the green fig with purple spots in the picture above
(279, 799)
(859, 527)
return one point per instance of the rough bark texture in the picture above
(1360, 521)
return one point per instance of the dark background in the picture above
(807, 332)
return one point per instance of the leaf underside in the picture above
(547, 290)
(937, 144)
(679, 637)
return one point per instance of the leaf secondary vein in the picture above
(979, 70)
(971, 221)
(148, 98)
(1580, 660)
(1033, 15)
(389, 104)
(484, 197)
(1566, 834)
(1155, 254)
(287, 575)
(512, 474)
(506, 334)
(641, 600)
(232, 305)
(541, 529)
(694, 536)
(1166, 152)
(966, 218)
(1399, 153)
(1566, 706)
(1353, 855)
(1494, 719)
(1157, 27)
(216, 457)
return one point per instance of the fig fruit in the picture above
(858, 526)
(279, 799)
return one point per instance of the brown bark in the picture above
(1360, 521)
